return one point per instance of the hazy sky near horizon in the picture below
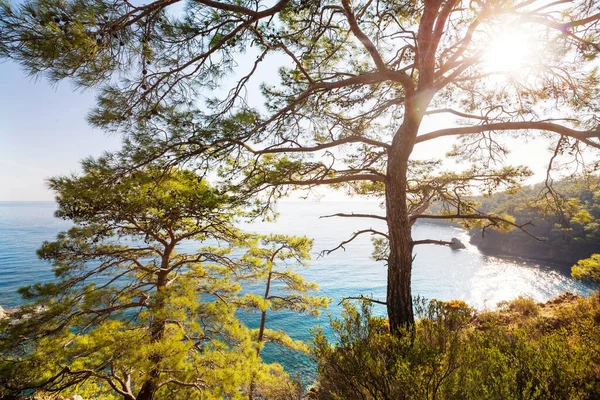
(43, 133)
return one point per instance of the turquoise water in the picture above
(439, 272)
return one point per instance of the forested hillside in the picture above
(564, 222)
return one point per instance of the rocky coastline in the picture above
(522, 245)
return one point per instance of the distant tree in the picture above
(588, 269)
(272, 260)
(357, 79)
(130, 314)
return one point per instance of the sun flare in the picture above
(509, 51)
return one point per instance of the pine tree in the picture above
(130, 315)
(271, 260)
(357, 80)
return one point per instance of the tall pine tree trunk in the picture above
(417, 99)
(399, 295)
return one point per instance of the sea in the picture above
(438, 272)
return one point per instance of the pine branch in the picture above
(494, 220)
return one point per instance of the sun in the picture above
(509, 50)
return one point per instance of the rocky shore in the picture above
(521, 245)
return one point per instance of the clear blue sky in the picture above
(43, 133)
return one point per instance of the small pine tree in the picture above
(271, 260)
(130, 315)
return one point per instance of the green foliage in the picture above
(132, 316)
(277, 255)
(455, 353)
(525, 306)
(565, 220)
(271, 259)
(588, 269)
(356, 81)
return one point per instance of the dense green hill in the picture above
(564, 221)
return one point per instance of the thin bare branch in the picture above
(361, 297)
(457, 113)
(354, 236)
(494, 220)
(583, 136)
(432, 241)
(353, 215)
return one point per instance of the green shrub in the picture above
(455, 354)
(525, 306)
(587, 269)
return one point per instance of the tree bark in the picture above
(417, 99)
(399, 295)
(261, 331)
(263, 317)
(157, 328)
(150, 385)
